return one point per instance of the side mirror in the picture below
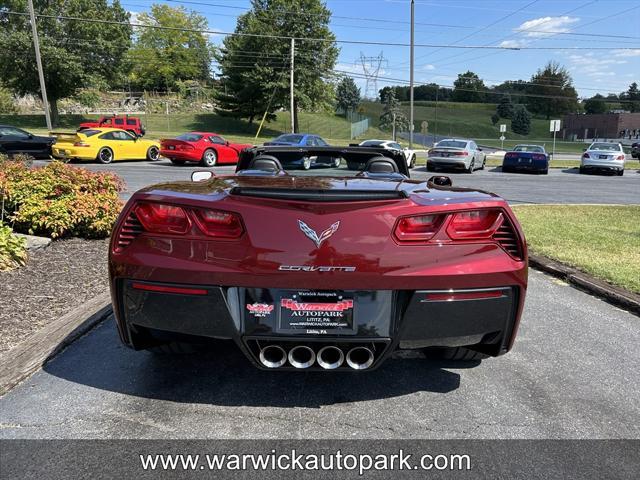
(440, 181)
(201, 176)
(479, 149)
(226, 142)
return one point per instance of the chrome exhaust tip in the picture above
(273, 356)
(359, 358)
(330, 357)
(301, 356)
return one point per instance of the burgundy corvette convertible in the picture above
(320, 269)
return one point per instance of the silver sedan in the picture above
(456, 153)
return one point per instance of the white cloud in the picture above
(545, 26)
(513, 43)
(133, 16)
(594, 66)
(627, 53)
(428, 66)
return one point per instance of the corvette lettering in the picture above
(314, 268)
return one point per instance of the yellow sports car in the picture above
(104, 145)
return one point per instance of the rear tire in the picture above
(484, 161)
(621, 173)
(472, 166)
(545, 171)
(458, 354)
(105, 156)
(430, 168)
(582, 170)
(209, 158)
(412, 163)
(353, 165)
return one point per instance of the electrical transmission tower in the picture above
(371, 69)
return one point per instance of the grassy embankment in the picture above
(601, 240)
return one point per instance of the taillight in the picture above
(585, 155)
(511, 155)
(162, 218)
(219, 224)
(474, 224)
(620, 157)
(539, 156)
(81, 144)
(419, 228)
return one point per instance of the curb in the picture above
(615, 295)
(23, 360)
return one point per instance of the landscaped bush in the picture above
(13, 252)
(59, 200)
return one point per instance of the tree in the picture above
(495, 118)
(505, 107)
(347, 95)
(75, 54)
(551, 92)
(521, 121)
(468, 88)
(162, 57)
(633, 97)
(258, 82)
(6, 101)
(392, 113)
(595, 104)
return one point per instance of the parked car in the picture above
(305, 140)
(527, 158)
(206, 148)
(304, 272)
(456, 153)
(14, 140)
(133, 125)
(635, 150)
(409, 155)
(603, 156)
(104, 145)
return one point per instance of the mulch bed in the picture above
(55, 280)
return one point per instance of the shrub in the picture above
(13, 251)
(521, 121)
(59, 200)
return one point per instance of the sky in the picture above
(557, 25)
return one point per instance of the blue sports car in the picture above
(528, 158)
(305, 140)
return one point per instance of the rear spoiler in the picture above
(64, 135)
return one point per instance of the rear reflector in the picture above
(161, 218)
(167, 289)
(474, 224)
(452, 296)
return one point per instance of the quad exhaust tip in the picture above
(301, 356)
(360, 358)
(330, 357)
(273, 356)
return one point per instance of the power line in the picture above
(309, 39)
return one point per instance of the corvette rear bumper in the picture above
(486, 319)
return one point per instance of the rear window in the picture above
(119, 121)
(372, 143)
(290, 138)
(452, 144)
(90, 133)
(189, 137)
(610, 147)
(528, 148)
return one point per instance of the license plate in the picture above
(604, 157)
(316, 312)
(172, 147)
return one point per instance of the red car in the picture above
(207, 149)
(307, 271)
(133, 125)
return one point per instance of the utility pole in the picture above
(411, 79)
(36, 46)
(293, 54)
(393, 128)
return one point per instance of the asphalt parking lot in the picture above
(559, 186)
(574, 373)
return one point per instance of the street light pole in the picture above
(36, 46)
(293, 120)
(411, 78)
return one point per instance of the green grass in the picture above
(333, 128)
(473, 120)
(601, 240)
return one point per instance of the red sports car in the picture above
(207, 149)
(325, 270)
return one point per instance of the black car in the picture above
(15, 140)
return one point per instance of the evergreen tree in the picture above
(521, 121)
